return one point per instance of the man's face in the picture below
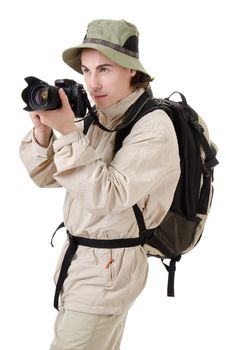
(106, 81)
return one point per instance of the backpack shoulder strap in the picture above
(142, 106)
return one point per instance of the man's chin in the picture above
(103, 104)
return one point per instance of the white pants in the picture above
(81, 331)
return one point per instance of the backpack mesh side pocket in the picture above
(174, 235)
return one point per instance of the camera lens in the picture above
(39, 96)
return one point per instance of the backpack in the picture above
(182, 227)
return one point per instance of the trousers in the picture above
(82, 331)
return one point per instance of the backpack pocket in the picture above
(173, 236)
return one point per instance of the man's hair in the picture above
(141, 80)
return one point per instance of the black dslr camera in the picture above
(39, 95)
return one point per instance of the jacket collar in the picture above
(111, 116)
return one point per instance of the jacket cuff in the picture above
(45, 152)
(68, 139)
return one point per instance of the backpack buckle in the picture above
(205, 170)
(197, 126)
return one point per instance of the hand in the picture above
(42, 132)
(61, 119)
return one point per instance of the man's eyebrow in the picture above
(98, 67)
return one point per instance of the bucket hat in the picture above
(116, 39)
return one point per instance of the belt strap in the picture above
(75, 241)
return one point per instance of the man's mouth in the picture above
(99, 97)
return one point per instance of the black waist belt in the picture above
(75, 241)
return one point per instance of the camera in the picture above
(39, 95)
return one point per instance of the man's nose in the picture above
(94, 82)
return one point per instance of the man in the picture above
(97, 286)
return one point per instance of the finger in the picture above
(33, 114)
(63, 97)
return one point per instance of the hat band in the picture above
(112, 46)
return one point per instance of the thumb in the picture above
(62, 94)
(64, 99)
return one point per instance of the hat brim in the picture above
(72, 56)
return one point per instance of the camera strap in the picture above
(129, 116)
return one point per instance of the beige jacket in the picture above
(100, 192)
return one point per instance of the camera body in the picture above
(39, 95)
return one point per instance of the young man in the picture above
(100, 284)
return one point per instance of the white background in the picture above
(182, 44)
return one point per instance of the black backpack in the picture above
(183, 225)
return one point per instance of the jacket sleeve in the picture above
(39, 161)
(147, 162)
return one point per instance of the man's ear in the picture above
(132, 72)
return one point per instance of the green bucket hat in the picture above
(116, 39)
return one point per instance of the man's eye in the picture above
(84, 70)
(103, 69)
